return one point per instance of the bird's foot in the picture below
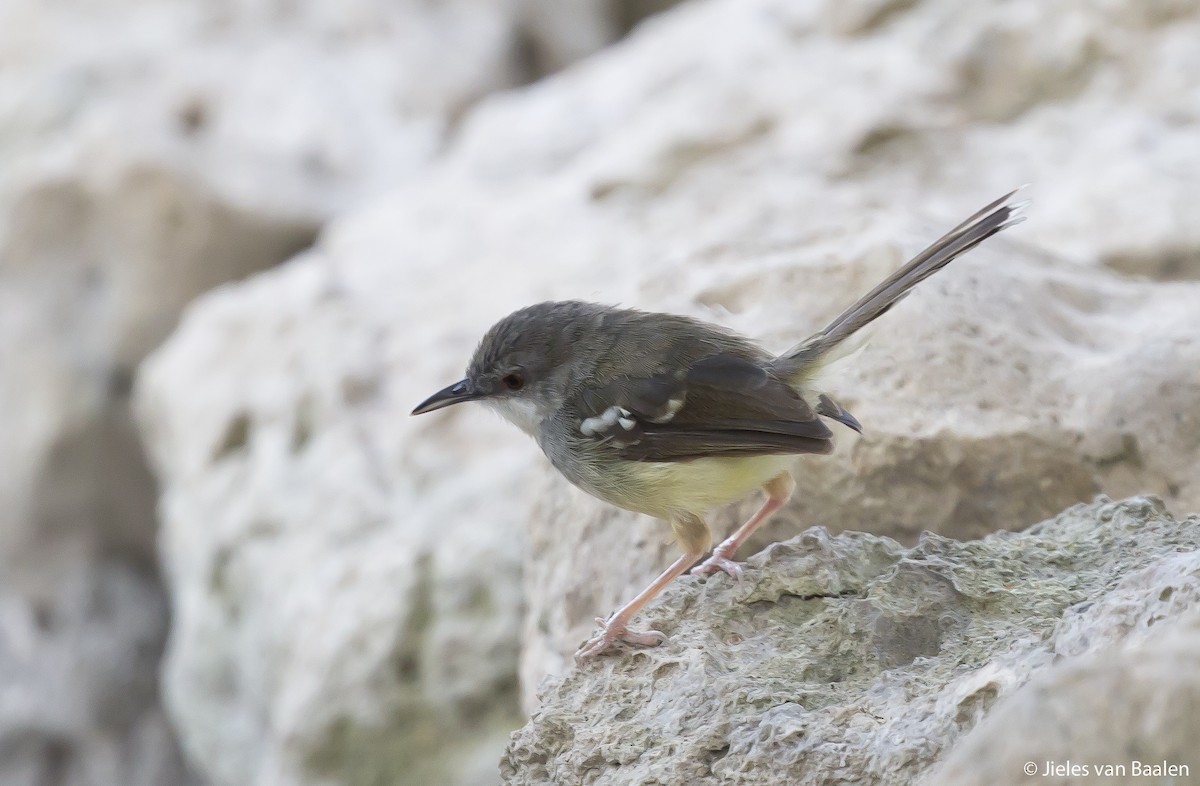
(612, 635)
(719, 563)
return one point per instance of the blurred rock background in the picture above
(150, 151)
(350, 591)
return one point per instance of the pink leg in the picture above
(614, 628)
(693, 535)
(779, 489)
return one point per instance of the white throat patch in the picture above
(522, 413)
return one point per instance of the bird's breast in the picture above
(664, 489)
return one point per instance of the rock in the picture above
(935, 105)
(759, 164)
(150, 154)
(850, 659)
(1103, 711)
(80, 699)
(340, 632)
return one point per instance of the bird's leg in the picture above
(779, 489)
(694, 536)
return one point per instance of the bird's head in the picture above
(524, 364)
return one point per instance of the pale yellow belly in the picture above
(664, 488)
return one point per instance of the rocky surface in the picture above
(342, 631)
(149, 152)
(1092, 717)
(850, 659)
(758, 163)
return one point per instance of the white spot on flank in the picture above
(604, 421)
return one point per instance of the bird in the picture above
(671, 416)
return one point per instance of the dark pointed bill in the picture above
(454, 394)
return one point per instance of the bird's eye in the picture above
(514, 381)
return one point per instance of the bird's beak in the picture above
(454, 394)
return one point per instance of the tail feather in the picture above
(970, 233)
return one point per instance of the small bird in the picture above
(671, 416)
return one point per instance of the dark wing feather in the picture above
(684, 444)
(721, 405)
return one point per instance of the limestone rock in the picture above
(929, 103)
(1093, 717)
(80, 671)
(150, 152)
(759, 163)
(850, 659)
(338, 632)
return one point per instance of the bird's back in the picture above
(668, 413)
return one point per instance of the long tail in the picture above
(970, 233)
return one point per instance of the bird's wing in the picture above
(720, 405)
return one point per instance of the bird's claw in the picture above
(612, 635)
(719, 564)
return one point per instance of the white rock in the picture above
(149, 152)
(337, 630)
(1125, 710)
(754, 162)
(853, 660)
